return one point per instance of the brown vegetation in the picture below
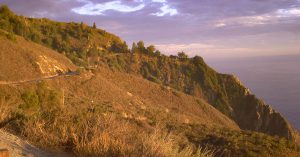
(132, 104)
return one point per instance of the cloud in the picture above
(100, 8)
(91, 8)
(166, 10)
(159, 1)
(193, 21)
(291, 12)
(220, 24)
(189, 48)
(278, 16)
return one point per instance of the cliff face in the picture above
(251, 113)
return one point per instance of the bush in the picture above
(11, 36)
(31, 100)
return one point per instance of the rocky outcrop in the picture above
(251, 113)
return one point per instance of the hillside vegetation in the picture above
(123, 102)
(86, 45)
(76, 41)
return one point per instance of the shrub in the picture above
(11, 36)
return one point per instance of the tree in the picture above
(81, 25)
(173, 57)
(94, 25)
(151, 49)
(157, 53)
(182, 55)
(5, 11)
(133, 48)
(119, 47)
(141, 45)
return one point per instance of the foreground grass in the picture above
(42, 119)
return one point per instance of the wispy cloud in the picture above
(279, 15)
(91, 8)
(159, 1)
(291, 12)
(189, 48)
(166, 10)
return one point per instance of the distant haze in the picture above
(274, 79)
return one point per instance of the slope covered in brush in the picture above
(90, 47)
(109, 112)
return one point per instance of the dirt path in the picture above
(20, 148)
(36, 80)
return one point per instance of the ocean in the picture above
(275, 79)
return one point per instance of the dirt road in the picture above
(38, 79)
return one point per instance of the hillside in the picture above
(29, 61)
(95, 94)
(87, 46)
(126, 103)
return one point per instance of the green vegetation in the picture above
(98, 130)
(72, 39)
(85, 45)
(240, 143)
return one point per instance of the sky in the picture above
(209, 28)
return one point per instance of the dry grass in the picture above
(50, 124)
(5, 112)
(161, 143)
(107, 136)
